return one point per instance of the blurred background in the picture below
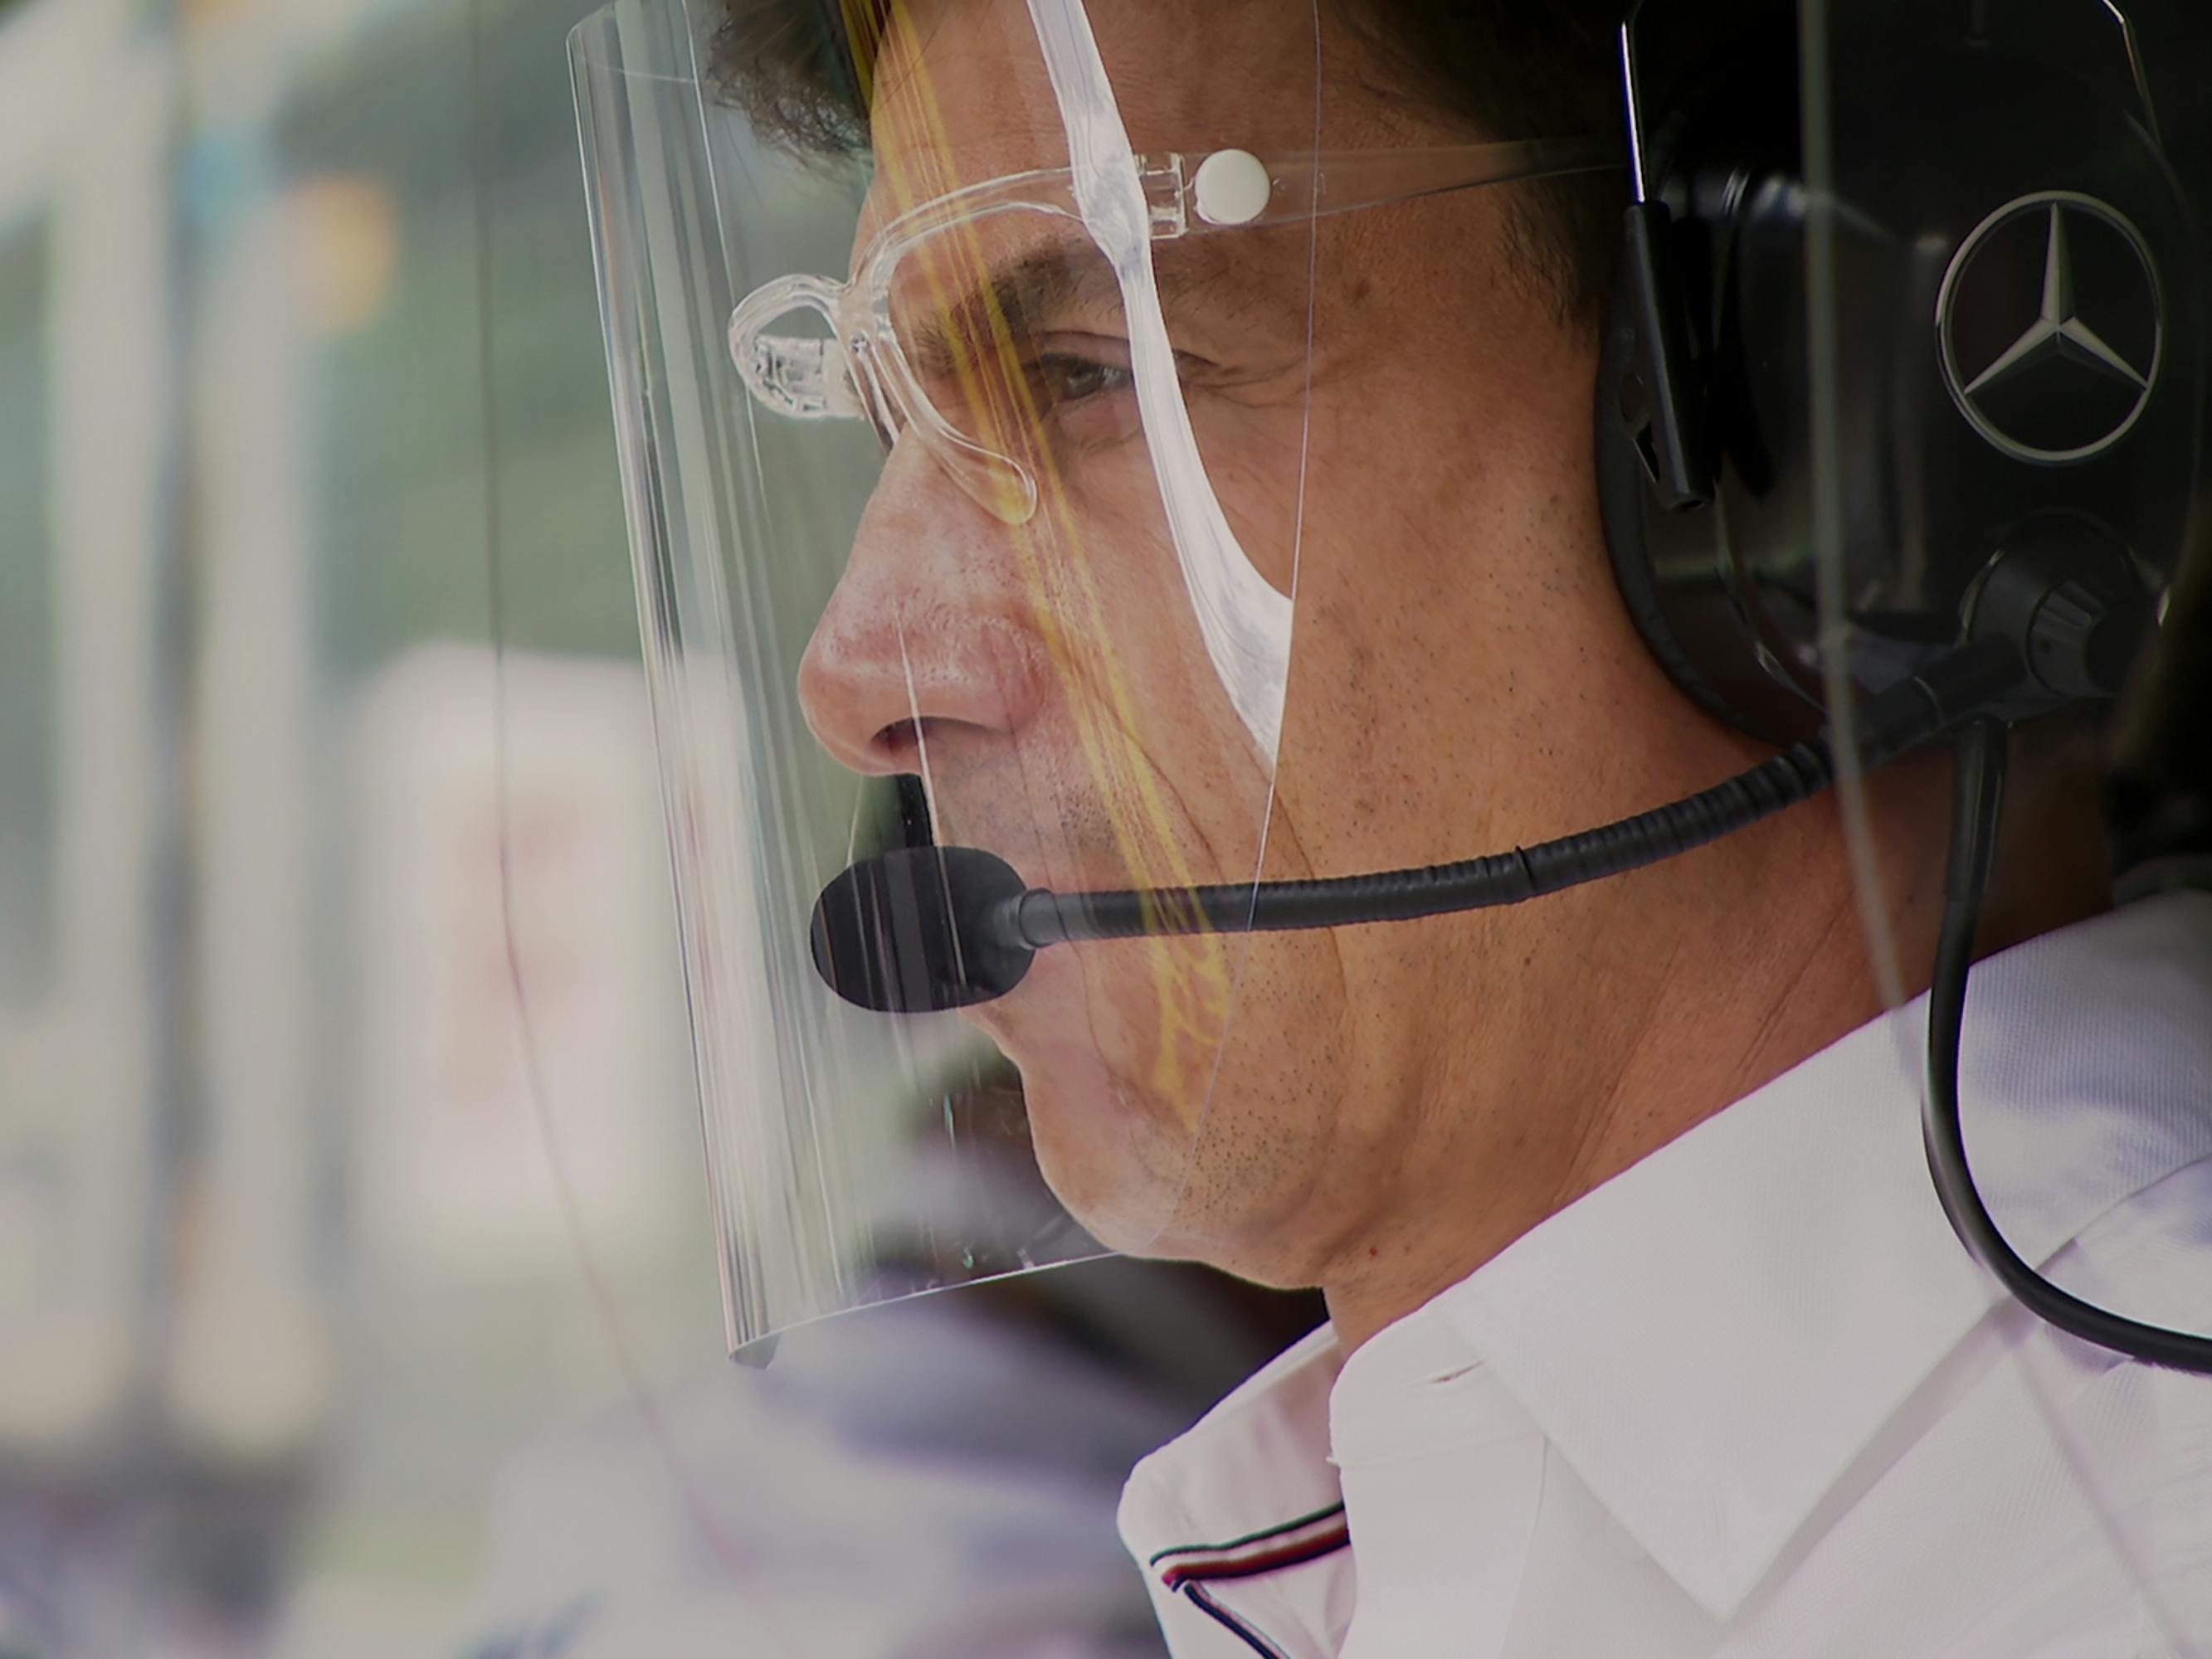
(325, 1330)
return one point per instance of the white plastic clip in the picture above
(1233, 187)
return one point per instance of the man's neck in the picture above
(1672, 1078)
(1728, 1011)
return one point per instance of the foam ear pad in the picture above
(1625, 499)
(1679, 573)
(1719, 157)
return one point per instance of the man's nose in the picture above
(926, 649)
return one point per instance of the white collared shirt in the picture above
(1752, 1398)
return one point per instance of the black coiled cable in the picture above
(1900, 720)
(1045, 918)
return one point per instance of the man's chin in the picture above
(1114, 1159)
(1113, 1135)
(1108, 1160)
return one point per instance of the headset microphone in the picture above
(922, 930)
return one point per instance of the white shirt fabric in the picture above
(1752, 1397)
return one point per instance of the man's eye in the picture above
(1067, 378)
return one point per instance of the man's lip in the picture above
(1004, 1018)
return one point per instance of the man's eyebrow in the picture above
(1033, 286)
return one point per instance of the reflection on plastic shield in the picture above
(921, 461)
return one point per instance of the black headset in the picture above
(1977, 181)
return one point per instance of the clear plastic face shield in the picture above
(2006, 355)
(964, 373)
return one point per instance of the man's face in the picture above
(1395, 420)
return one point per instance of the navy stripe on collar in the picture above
(1213, 1610)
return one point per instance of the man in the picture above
(1646, 1334)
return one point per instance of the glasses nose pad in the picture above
(1001, 486)
(877, 394)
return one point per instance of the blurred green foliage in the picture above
(27, 618)
(475, 403)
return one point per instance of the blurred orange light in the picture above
(199, 15)
(348, 232)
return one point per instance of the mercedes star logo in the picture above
(2051, 326)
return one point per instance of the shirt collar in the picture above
(1250, 1468)
(1713, 1337)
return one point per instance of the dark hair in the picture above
(1523, 69)
(800, 71)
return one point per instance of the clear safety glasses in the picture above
(985, 317)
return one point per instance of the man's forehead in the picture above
(961, 93)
